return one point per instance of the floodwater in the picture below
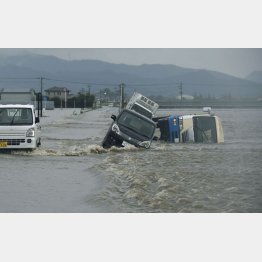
(71, 172)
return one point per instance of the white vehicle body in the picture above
(197, 128)
(201, 128)
(19, 128)
(142, 105)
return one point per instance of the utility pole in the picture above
(1, 91)
(122, 96)
(41, 88)
(39, 104)
(181, 91)
(85, 99)
(65, 90)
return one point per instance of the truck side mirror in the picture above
(113, 117)
(37, 120)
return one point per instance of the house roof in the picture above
(57, 89)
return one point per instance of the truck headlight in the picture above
(116, 129)
(145, 144)
(30, 132)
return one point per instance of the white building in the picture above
(59, 92)
(18, 97)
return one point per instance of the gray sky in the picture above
(234, 61)
(133, 24)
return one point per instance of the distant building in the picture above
(18, 97)
(185, 97)
(59, 92)
(24, 98)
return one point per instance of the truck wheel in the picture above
(110, 141)
(38, 143)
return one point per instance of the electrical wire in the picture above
(44, 79)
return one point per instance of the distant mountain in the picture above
(153, 79)
(255, 76)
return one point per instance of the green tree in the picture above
(57, 101)
(81, 101)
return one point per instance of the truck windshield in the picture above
(142, 111)
(205, 129)
(136, 124)
(16, 116)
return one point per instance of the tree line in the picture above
(79, 101)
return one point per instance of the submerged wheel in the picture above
(110, 141)
(38, 143)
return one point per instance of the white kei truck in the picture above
(19, 127)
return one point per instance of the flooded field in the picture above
(71, 172)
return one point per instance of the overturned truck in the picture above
(133, 125)
(198, 128)
(136, 125)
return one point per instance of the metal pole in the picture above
(65, 97)
(123, 95)
(1, 91)
(120, 101)
(181, 91)
(39, 104)
(41, 83)
(121, 105)
(85, 99)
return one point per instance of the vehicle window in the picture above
(16, 116)
(142, 111)
(205, 129)
(136, 124)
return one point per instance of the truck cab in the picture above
(198, 128)
(201, 129)
(19, 127)
(131, 127)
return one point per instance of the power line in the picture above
(81, 83)
(154, 84)
(127, 84)
(20, 78)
